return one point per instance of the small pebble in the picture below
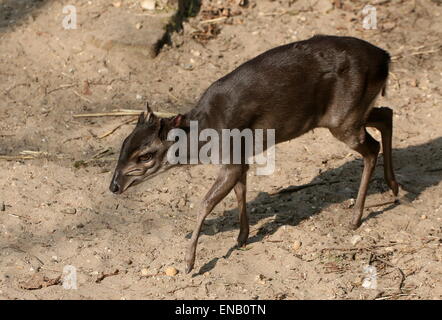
(195, 53)
(187, 66)
(69, 211)
(358, 281)
(355, 239)
(144, 272)
(148, 4)
(138, 26)
(171, 271)
(423, 217)
(351, 203)
(389, 25)
(260, 279)
(296, 245)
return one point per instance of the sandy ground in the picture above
(56, 209)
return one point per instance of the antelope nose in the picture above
(115, 187)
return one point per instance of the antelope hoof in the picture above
(242, 241)
(189, 267)
(355, 225)
(189, 264)
(394, 186)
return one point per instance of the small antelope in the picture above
(325, 81)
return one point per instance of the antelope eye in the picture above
(145, 157)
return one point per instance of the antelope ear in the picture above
(141, 118)
(149, 110)
(176, 121)
(146, 118)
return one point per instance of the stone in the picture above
(148, 5)
(355, 239)
(171, 271)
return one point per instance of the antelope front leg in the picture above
(240, 191)
(227, 179)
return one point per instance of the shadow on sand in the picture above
(417, 168)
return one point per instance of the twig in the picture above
(102, 153)
(359, 248)
(17, 216)
(281, 13)
(25, 252)
(82, 97)
(396, 79)
(15, 85)
(188, 218)
(11, 158)
(63, 86)
(170, 94)
(28, 155)
(393, 266)
(298, 188)
(299, 256)
(105, 275)
(395, 295)
(417, 53)
(381, 2)
(121, 113)
(182, 288)
(34, 153)
(116, 128)
(213, 20)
